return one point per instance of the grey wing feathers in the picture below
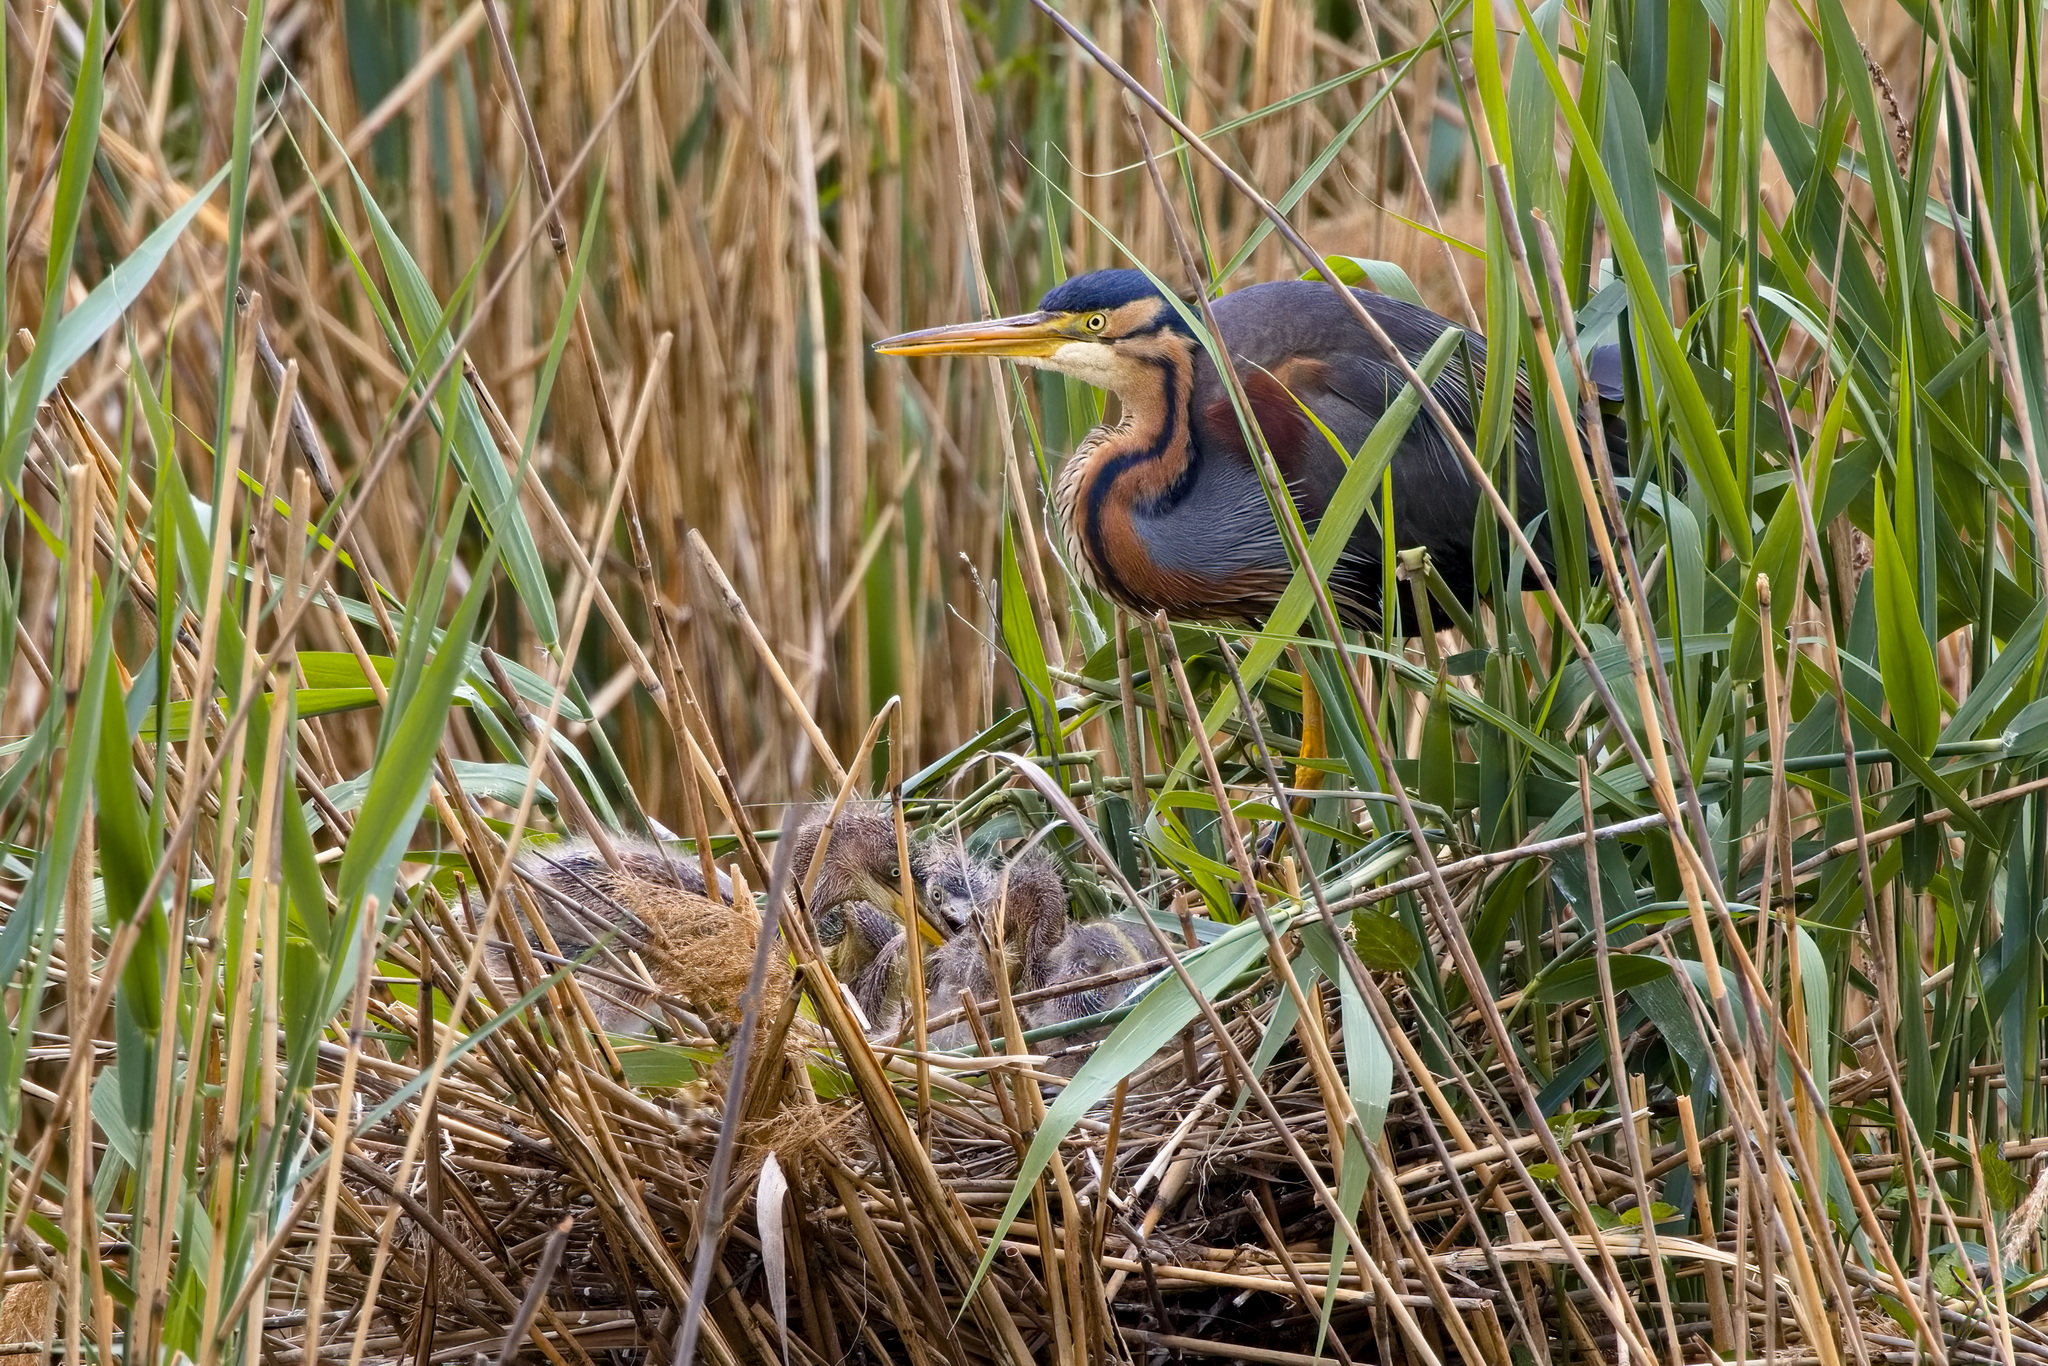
(654, 863)
(578, 894)
(958, 966)
(1605, 365)
(580, 860)
(879, 986)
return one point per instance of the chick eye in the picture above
(1097, 321)
(895, 872)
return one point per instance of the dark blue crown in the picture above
(1106, 289)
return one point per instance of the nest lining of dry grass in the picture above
(1207, 1239)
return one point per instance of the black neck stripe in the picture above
(1143, 449)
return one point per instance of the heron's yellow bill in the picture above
(1026, 334)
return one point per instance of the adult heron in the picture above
(1163, 509)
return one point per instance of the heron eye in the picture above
(1097, 321)
(895, 872)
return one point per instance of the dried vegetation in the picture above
(1645, 975)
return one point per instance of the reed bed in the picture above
(432, 426)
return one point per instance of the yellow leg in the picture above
(1312, 746)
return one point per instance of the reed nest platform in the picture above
(552, 1198)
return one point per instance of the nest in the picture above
(1176, 1217)
(704, 949)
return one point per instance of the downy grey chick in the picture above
(1042, 947)
(852, 905)
(860, 862)
(1089, 950)
(953, 882)
(864, 949)
(1030, 901)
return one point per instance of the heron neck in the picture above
(1150, 449)
(1137, 469)
(1033, 927)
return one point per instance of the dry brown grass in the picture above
(780, 184)
(770, 429)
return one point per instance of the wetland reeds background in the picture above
(427, 424)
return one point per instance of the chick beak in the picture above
(1026, 334)
(911, 913)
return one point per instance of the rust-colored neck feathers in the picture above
(1138, 467)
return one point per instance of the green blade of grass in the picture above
(74, 175)
(1332, 534)
(497, 498)
(79, 330)
(1697, 433)
(398, 790)
(1904, 656)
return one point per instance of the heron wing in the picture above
(1300, 347)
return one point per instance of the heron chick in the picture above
(695, 946)
(865, 948)
(953, 882)
(1024, 928)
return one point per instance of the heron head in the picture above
(861, 863)
(1108, 327)
(954, 883)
